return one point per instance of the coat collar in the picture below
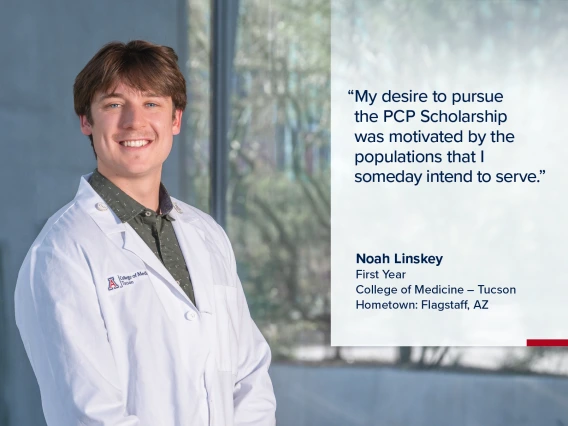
(91, 202)
(188, 228)
(123, 205)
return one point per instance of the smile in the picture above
(135, 143)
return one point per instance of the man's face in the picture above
(132, 131)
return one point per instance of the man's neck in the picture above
(144, 189)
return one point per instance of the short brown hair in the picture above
(139, 64)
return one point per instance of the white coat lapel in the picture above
(124, 236)
(135, 244)
(190, 236)
(191, 240)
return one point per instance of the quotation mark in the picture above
(542, 172)
(350, 92)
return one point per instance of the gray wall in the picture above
(43, 153)
(363, 396)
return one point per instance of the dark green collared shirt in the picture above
(155, 229)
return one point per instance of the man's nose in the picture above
(132, 117)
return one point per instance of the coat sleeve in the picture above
(64, 335)
(253, 396)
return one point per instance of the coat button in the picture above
(190, 315)
(101, 207)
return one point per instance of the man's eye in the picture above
(152, 104)
(113, 105)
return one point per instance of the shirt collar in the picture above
(123, 205)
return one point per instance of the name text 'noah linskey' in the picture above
(400, 258)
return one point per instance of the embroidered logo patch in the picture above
(112, 285)
(124, 279)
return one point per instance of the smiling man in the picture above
(128, 302)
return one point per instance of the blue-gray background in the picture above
(277, 211)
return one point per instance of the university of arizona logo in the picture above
(123, 280)
(112, 285)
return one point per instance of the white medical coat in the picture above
(114, 341)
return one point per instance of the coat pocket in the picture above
(226, 315)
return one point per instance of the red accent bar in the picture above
(547, 342)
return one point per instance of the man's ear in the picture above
(86, 127)
(176, 125)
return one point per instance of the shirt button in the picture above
(101, 207)
(190, 315)
(147, 213)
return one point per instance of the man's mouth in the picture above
(135, 143)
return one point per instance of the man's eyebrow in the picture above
(104, 96)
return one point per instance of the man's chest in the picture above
(143, 305)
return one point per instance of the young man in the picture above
(128, 302)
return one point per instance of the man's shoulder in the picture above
(69, 223)
(205, 221)
(193, 213)
(62, 239)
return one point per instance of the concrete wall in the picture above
(356, 396)
(43, 153)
